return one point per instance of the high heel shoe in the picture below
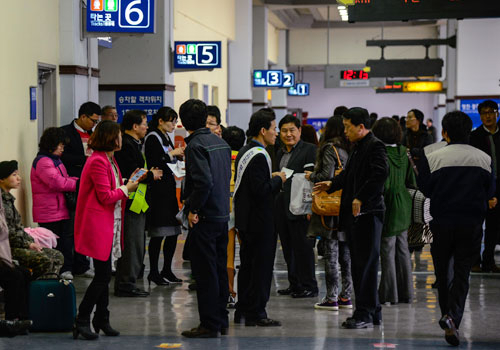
(170, 277)
(82, 326)
(157, 279)
(102, 323)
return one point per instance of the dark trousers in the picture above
(208, 262)
(80, 262)
(129, 266)
(97, 293)
(297, 251)
(65, 242)
(15, 282)
(454, 249)
(491, 236)
(257, 252)
(364, 243)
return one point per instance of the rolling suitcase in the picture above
(52, 305)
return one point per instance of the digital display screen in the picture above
(299, 90)
(268, 78)
(121, 16)
(197, 54)
(351, 74)
(403, 10)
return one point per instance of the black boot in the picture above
(157, 279)
(101, 321)
(82, 326)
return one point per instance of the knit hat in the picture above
(7, 167)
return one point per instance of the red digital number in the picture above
(349, 74)
(364, 75)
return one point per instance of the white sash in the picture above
(245, 160)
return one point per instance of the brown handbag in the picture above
(328, 204)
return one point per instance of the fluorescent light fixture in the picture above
(345, 18)
(343, 12)
(341, 8)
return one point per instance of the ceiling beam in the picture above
(316, 14)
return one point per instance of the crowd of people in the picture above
(101, 187)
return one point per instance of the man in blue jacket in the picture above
(208, 175)
(459, 181)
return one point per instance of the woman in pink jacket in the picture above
(98, 225)
(49, 181)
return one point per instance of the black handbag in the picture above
(70, 197)
(421, 205)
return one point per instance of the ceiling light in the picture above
(341, 7)
(345, 18)
(343, 12)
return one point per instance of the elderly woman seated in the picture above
(40, 261)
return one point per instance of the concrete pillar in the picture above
(78, 62)
(240, 67)
(451, 68)
(140, 62)
(260, 57)
(279, 100)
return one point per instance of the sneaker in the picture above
(327, 305)
(345, 303)
(67, 275)
(231, 302)
(88, 274)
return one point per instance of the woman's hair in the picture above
(388, 131)
(308, 134)
(334, 131)
(51, 139)
(166, 114)
(105, 136)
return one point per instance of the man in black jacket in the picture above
(74, 158)
(130, 158)
(297, 156)
(206, 189)
(255, 186)
(486, 137)
(362, 213)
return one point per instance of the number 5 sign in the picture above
(197, 54)
(121, 16)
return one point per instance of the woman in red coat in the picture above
(98, 225)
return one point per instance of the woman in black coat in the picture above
(163, 206)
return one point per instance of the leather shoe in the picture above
(352, 323)
(286, 291)
(305, 294)
(133, 293)
(450, 331)
(224, 331)
(200, 332)
(263, 322)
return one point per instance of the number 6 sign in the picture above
(121, 16)
(134, 13)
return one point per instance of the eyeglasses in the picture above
(94, 121)
(488, 113)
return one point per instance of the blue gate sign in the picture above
(470, 108)
(317, 123)
(268, 78)
(121, 16)
(197, 54)
(32, 103)
(147, 101)
(288, 80)
(299, 90)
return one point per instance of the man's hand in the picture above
(492, 203)
(157, 173)
(35, 246)
(356, 207)
(178, 152)
(193, 219)
(308, 174)
(280, 174)
(322, 186)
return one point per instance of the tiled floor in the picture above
(146, 323)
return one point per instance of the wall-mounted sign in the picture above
(299, 90)
(288, 80)
(197, 54)
(121, 16)
(317, 123)
(268, 78)
(470, 108)
(32, 103)
(147, 101)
